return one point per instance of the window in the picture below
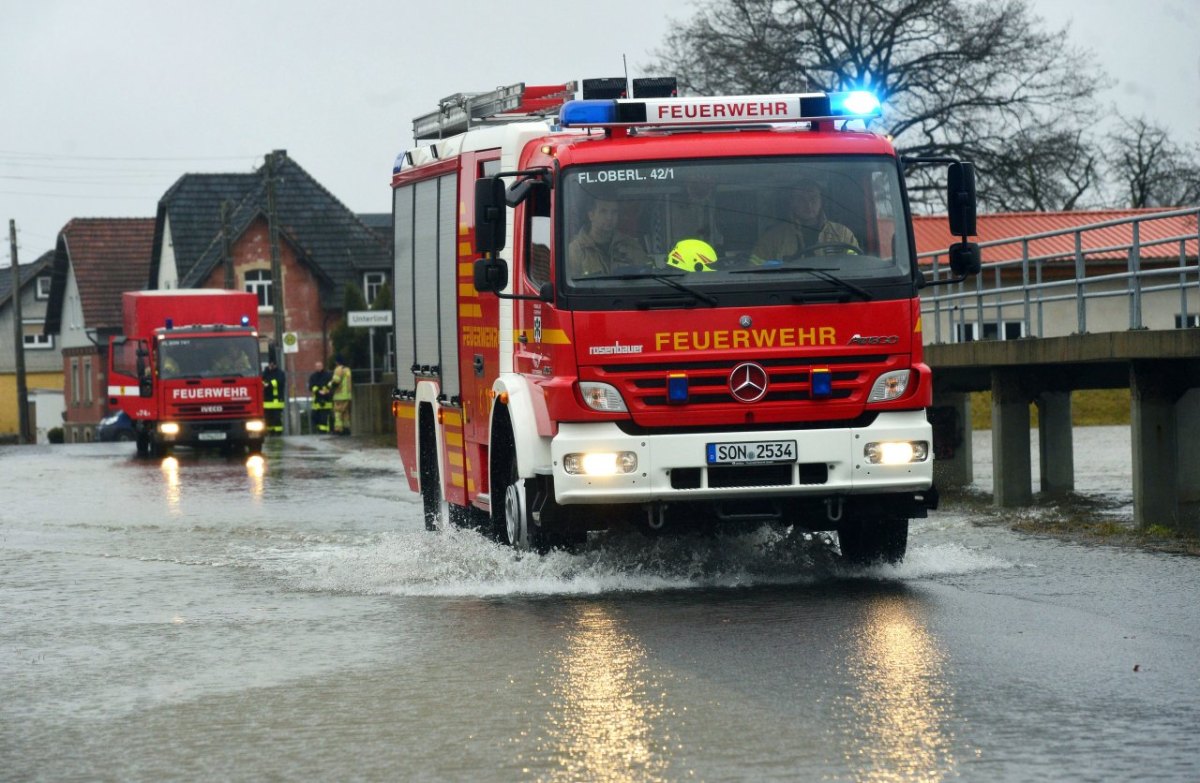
(43, 288)
(75, 396)
(34, 339)
(992, 330)
(258, 282)
(1187, 322)
(373, 283)
(125, 356)
(87, 381)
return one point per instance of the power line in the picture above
(47, 156)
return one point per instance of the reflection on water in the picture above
(900, 720)
(256, 469)
(170, 471)
(605, 706)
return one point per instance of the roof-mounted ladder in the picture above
(461, 111)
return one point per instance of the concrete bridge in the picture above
(1148, 354)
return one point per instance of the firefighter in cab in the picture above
(274, 394)
(322, 397)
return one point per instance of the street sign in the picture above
(359, 318)
(291, 342)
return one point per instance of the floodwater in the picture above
(201, 618)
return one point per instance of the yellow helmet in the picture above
(692, 255)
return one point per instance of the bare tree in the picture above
(980, 80)
(1151, 169)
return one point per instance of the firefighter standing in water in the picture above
(274, 393)
(322, 399)
(341, 385)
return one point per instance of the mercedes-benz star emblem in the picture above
(745, 322)
(748, 382)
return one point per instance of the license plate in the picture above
(211, 436)
(750, 452)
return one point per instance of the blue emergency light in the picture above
(821, 380)
(856, 103)
(677, 388)
(580, 114)
(170, 323)
(245, 320)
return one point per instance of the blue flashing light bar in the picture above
(822, 382)
(677, 388)
(721, 110)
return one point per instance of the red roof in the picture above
(109, 256)
(933, 234)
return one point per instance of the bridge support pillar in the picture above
(1162, 409)
(1055, 442)
(1188, 411)
(1012, 473)
(950, 416)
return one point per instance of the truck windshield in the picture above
(221, 356)
(749, 229)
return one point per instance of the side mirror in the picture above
(490, 215)
(491, 274)
(964, 259)
(145, 386)
(960, 199)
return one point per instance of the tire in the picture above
(519, 528)
(143, 445)
(125, 436)
(869, 542)
(429, 474)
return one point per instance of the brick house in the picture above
(323, 247)
(95, 260)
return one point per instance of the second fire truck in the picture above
(629, 312)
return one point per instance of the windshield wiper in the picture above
(815, 271)
(666, 279)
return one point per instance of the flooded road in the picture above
(289, 618)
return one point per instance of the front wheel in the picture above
(523, 533)
(865, 542)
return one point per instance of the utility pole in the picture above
(18, 338)
(226, 254)
(276, 269)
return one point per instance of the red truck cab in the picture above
(186, 370)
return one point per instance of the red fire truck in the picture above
(707, 315)
(186, 370)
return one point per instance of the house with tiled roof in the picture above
(95, 261)
(43, 365)
(1047, 260)
(212, 231)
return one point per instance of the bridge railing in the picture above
(1154, 256)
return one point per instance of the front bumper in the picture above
(211, 432)
(673, 467)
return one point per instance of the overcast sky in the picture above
(108, 103)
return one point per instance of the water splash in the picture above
(458, 563)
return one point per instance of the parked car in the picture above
(118, 426)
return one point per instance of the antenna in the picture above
(625, 65)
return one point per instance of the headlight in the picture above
(896, 452)
(606, 463)
(168, 428)
(889, 386)
(254, 425)
(602, 397)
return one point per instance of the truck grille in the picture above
(210, 410)
(644, 386)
